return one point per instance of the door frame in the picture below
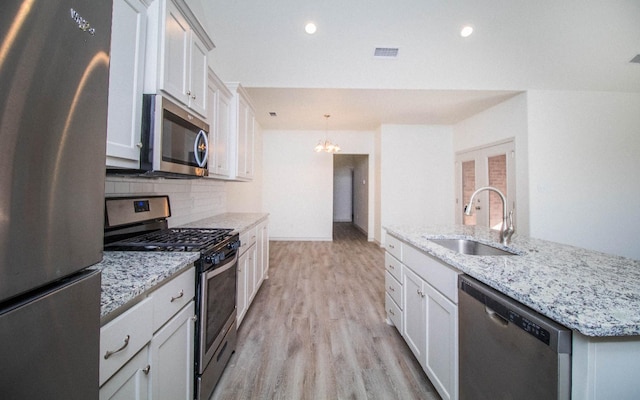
(481, 155)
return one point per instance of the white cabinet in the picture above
(243, 127)
(429, 311)
(262, 256)
(123, 337)
(220, 156)
(441, 358)
(131, 382)
(394, 289)
(247, 287)
(147, 352)
(126, 78)
(415, 316)
(177, 54)
(253, 264)
(172, 355)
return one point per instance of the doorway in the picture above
(492, 165)
(351, 190)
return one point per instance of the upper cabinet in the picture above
(126, 77)
(232, 121)
(220, 138)
(243, 127)
(177, 46)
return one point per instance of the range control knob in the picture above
(212, 258)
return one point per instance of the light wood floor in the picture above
(316, 329)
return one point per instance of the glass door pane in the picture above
(497, 166)
(468, 187)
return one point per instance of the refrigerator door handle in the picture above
(109, 353)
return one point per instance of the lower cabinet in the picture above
(147, 352)
(172, 357)
(131, 382)
(253, 266)
(429, 322)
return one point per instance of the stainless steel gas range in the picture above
(140, 224)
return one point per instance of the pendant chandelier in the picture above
(326, 145)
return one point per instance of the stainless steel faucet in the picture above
(507, 229)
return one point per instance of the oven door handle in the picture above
(228, 263)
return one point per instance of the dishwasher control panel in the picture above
(530, 327)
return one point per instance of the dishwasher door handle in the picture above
(495, 317)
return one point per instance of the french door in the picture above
(493, 165)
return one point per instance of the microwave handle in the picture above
(203, 162)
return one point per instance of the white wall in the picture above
(190, 199)
(417, 170)
(584, 161)
(503, 121)
(298, 182)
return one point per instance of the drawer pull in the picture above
(391, 312)
(109, 353)
(392, 246)
(178, 296)
(391, 266)
(392, 289)
(146, 369)
(420, 292)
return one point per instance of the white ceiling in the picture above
(438, 77)
(367, 109)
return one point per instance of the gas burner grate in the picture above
(174, 239)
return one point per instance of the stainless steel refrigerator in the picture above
(54, 69)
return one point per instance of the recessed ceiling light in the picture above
(466, 31)
(310, 28)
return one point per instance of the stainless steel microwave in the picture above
(174, 141)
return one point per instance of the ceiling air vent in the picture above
(636, 59)
(386, 52)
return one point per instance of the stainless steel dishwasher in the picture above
(507, 350)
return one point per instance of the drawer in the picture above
(172, 296)
(247, 239)
(123, 337)
(394, 314)
(393, 288)
(393, 266)
(439, 275)
(394, 246)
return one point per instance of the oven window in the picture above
(178, 137)
(221, 301)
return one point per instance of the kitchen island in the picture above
(596, 295)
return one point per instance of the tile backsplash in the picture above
(191, 199)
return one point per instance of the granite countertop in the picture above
(128, 275)
(593, 293)
(239, 222)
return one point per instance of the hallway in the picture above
(316, 329)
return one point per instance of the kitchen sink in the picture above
(471, 247)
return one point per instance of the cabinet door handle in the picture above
(109, 353)
(188, 92)
(392, 246)
(146, 369)
(178, 296)
(391, 312)
(391, 266)
(420, 292)
(392, 289)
